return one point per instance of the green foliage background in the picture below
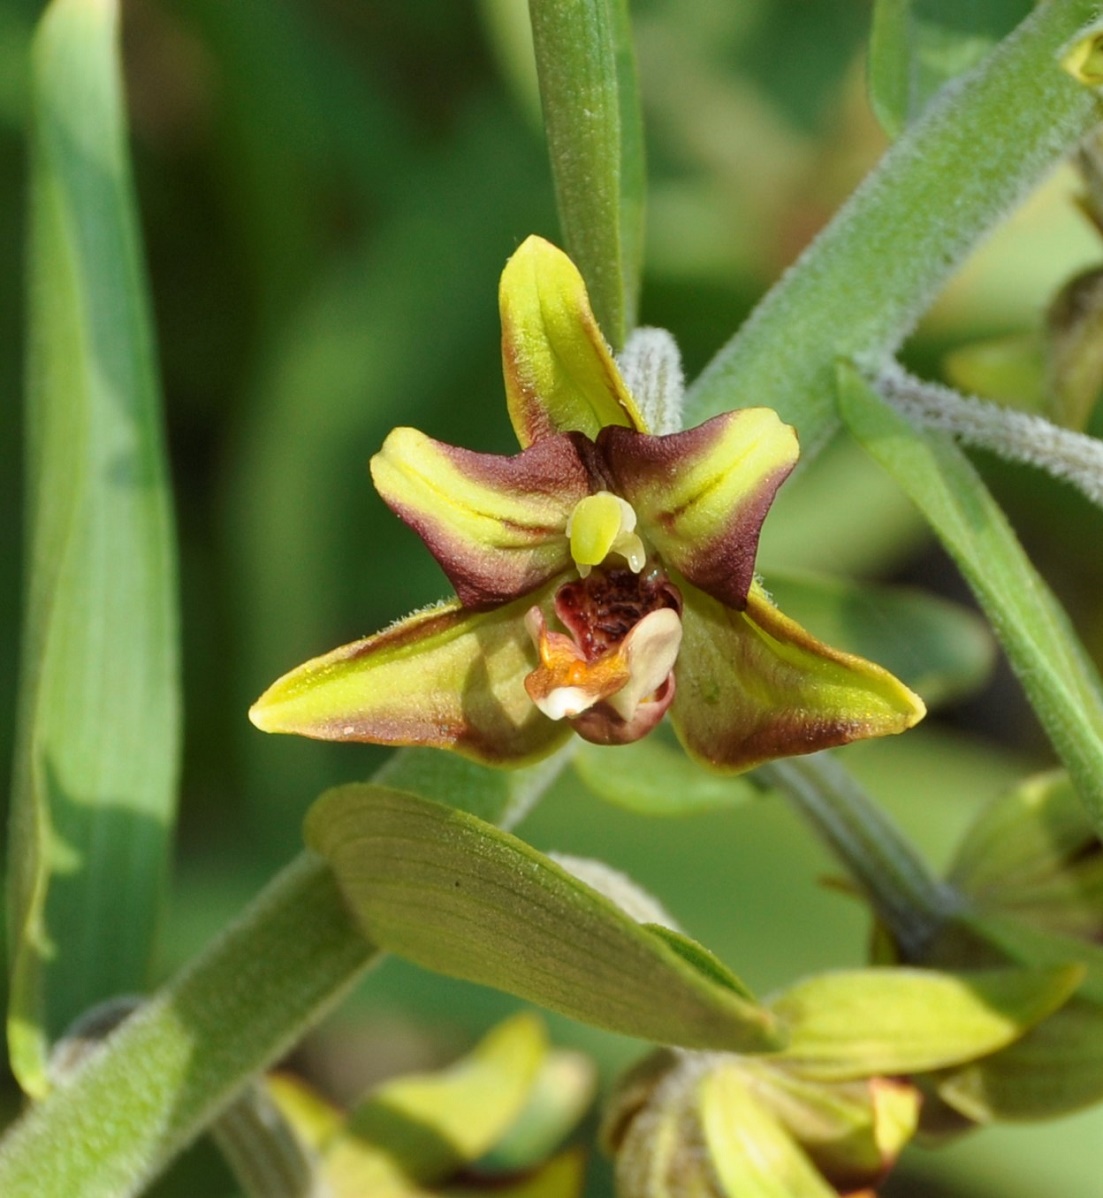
(328, 192)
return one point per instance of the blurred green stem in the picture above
(172, 1066)
(586, 67)
(906, 896)
(863, 283)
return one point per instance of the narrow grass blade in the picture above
(1059, 680)
(96, 760)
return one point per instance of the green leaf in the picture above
(705, 962)
(1055, 1069)
(652, 777)
(940, 649)
(869, 1022)
(1057, 1066)
(588, 91)
(1053, 668)
(456, 895)
(96, 766)
(917, 46)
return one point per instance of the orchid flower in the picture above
(604, 576)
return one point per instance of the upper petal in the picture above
(701, 495)
(444, 677)
(496, 524)
(754, 685)
(559, 373)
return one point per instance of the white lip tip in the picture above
(565, 702)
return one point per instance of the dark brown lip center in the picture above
(601, 609)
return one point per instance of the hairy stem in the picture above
(1016, 436)
(862, 284)
(179, 1060)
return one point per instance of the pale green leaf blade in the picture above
(870, 1022)
(1053, 668)
(1057, 1066)
(1054, 1070)
(918, 46)
(653, 777)
(586, 68)
(97, 756)
(940, 649)
(452, 893)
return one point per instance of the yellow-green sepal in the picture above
(754, 686)
(443, 677)
(432, 1125)
(417, 1135)
(883, 1022)
(497, 525)
(560, 375)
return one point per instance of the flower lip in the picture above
(616, 667)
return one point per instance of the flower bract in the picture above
(604, 577)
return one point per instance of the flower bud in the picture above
(1033, 854)
(1031, 871)
(720, 1126)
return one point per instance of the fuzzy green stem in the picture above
(906, 896)
(183, 1056)
(586, 66)
(862, 284)
(1014, 436)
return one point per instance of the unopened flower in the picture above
(604, 576)
(721, 1126)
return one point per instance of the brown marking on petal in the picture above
(755, 686)
(721, 564)
(514, 555)
(531, 421)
